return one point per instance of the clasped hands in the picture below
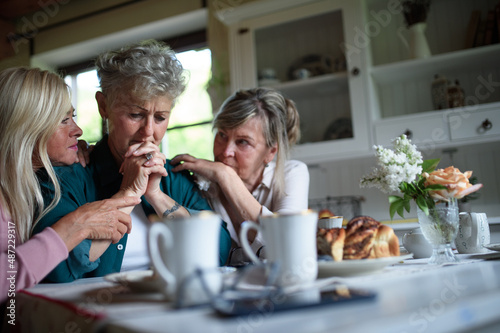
(142, 168)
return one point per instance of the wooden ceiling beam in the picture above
(12, 9)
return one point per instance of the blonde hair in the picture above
(280, 122)
(32, 104)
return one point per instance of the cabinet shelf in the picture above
(480, 57)
(318, 84)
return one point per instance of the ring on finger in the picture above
(149, 156)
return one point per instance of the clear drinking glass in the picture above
(440, 228)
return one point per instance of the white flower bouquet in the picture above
(403, 170)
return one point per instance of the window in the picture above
(190, 127)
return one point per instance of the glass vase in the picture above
(440, 228)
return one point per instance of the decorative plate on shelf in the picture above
(357, 267)
(340, 128)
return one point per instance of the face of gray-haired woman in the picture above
(131, 121)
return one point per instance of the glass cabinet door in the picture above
(300, 50)
(303, 59)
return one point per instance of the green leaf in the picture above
(392, 210)
(435, 187)
(400, 211)
(422, 204)
(407, 205)
(396, 203)
(394, 198)
(430, 165)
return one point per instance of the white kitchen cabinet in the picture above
(285, 36)
(400, 88)
(483, 123)
(424, 129)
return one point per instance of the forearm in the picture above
(165, 206)
(68, 234)
(238, 196)
(98, 247)
(72, 239)
(125, 193)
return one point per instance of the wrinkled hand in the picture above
(204, 168)
(102, 219)
(83, 154)
(141, 175)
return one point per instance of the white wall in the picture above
(340, 178)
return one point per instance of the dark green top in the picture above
(101, 180)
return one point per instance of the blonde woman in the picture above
(37, 131)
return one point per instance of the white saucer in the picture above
(147, 281)
(141, 281)
(493, 247)
(357, 267)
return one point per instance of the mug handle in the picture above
(245, 227)
(156, 231)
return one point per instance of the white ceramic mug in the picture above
(473, 233)
(290, 242)
(178, 247)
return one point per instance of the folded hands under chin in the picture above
(142, 169)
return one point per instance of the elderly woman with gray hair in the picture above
(251, 173)
(139, 85)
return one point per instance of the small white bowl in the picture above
(415, 242)
(330, 222)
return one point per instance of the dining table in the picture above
(408, 295)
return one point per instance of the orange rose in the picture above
(457, 183)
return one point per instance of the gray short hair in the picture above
(147, 69)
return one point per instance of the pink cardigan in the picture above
(31, 260)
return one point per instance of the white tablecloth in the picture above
(412, 296)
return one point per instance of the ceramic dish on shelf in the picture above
(357, 267)
(493, 247)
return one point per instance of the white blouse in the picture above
(295, 199)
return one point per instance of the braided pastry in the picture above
(363, 238)
(331, 242)
(367, 238)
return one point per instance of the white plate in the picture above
(493, 247)
(356, 267)
(146, 281)
(142, 281)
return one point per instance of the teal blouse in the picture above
(101, 180)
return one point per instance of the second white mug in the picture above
(290, 242)
(473, 233)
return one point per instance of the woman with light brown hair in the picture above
(251, 173)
